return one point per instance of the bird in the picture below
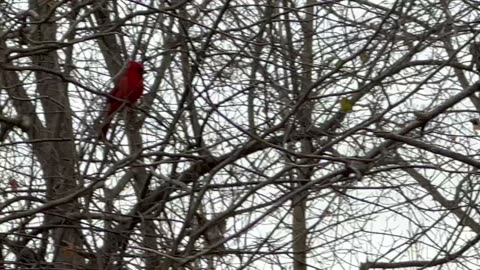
(127, 90)
(475, 52)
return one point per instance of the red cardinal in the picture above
(127, 91)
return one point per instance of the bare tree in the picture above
(271, 135)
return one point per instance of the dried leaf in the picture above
(364, 57)
(13, 184)
(339, 63)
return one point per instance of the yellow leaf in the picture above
(364, 57)
(346, 104)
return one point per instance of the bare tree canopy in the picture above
(312, 134)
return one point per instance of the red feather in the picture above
(127, 91)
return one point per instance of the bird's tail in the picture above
(112, 109)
